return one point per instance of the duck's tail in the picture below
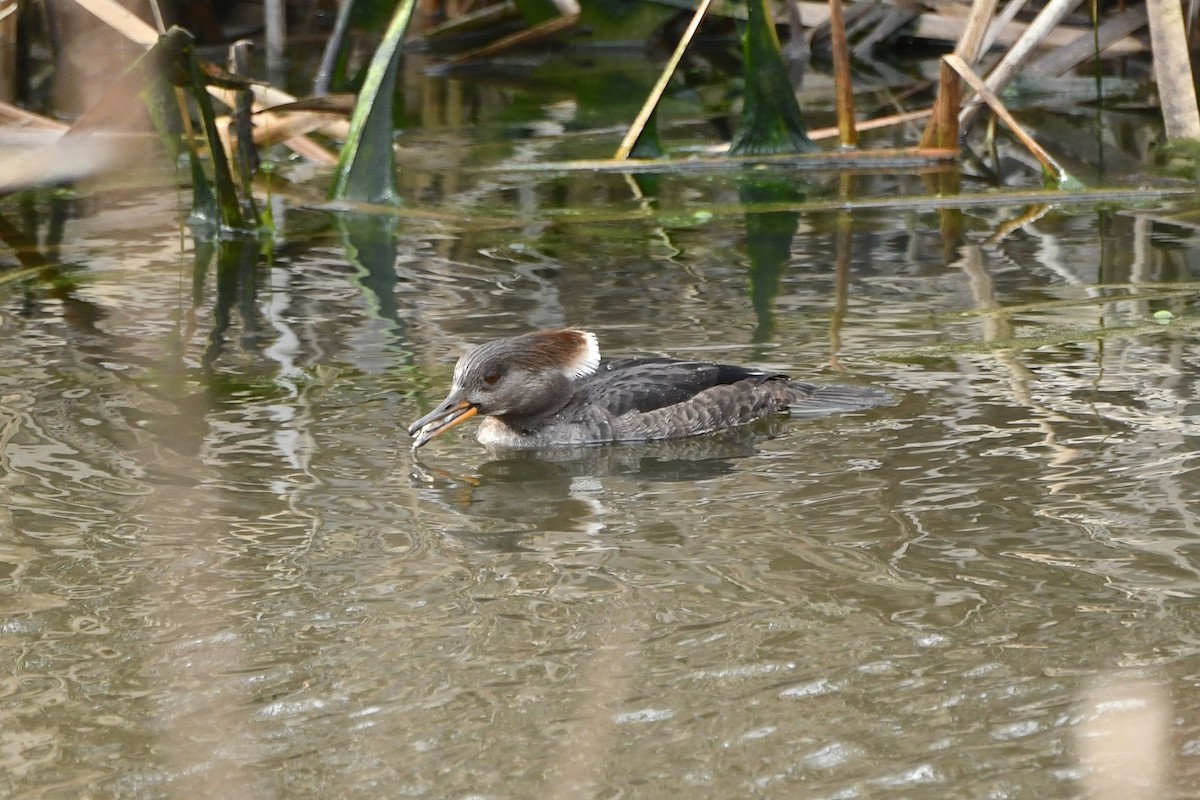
(809, 399)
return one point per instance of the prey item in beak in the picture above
(450, 413)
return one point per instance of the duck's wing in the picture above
(648, 384)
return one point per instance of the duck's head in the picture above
(518, 380)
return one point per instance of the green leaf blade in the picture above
(367, 164)
(771, 118)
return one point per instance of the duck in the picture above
(550, 389)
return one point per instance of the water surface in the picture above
(224, 572)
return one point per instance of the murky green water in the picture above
(222, 572)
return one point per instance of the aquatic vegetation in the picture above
(770, 120)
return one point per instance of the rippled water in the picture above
(224, 573)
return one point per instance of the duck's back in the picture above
(645, 399)
(645, 385)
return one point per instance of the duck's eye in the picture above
(491, 376)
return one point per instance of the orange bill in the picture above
(446, 416)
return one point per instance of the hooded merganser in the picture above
(550, 389)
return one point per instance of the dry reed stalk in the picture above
(1173, 69)
(8, 50)
(997, 107)
(844, 90)
(569, 11)
(122, 21)
(639, 122)
(20, 116)
(873, 124)
(942, 130)
(950, 27)
(1061, 60)
(1000, 23)
(1019, 53)
(138, 31)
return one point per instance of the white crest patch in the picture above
(460, 366)
(588, 359)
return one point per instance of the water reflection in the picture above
(769, 236)
(236, 285)
(224, 573)
(371, 246)
(563, 490)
